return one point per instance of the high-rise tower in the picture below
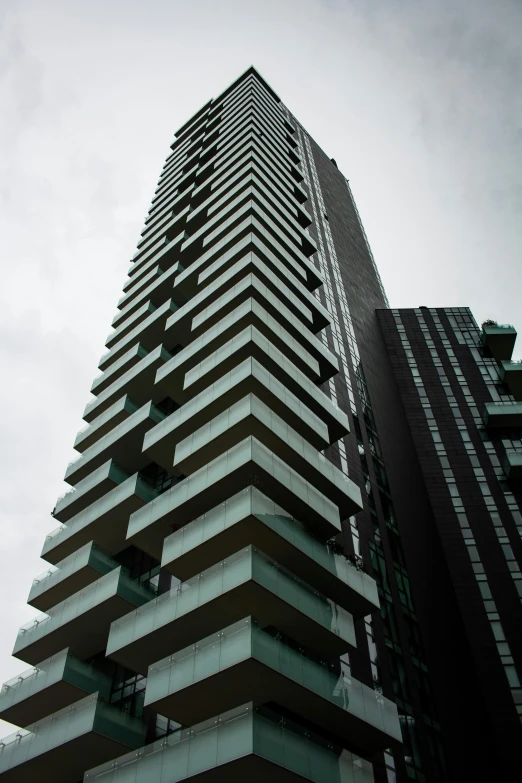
(198, 605)
(254, 575)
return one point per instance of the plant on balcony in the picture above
(336, 548)
(357, 562)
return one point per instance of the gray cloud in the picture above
(419, 103)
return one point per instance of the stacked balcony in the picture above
(502, 415)
(59, 746)
(498, 339)
(512, 464)
(511, 374)
(201, 458)
(246, 743)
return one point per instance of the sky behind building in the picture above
(419, 104)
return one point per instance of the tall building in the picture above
(461, 395)
(292, 540)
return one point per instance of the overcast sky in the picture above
(419, 102)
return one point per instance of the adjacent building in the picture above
(291, 546)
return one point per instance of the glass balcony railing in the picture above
(247, 274)
(249, 376)
(242, 206)
(137, 384)
(228, 152)
(157, 291)
(278, 364)
(176, 174)
(122, 443)
(251, 517)
(144, 281)
(491, 328)
(138, 272)
(55, 748)
(214, 178)
(146, 252)
(81, 621)
(130, 323)
(261, 744)
(247, 120)
(260, 225)
(247, 463)
(240, 183)
(246, 133)
(247, 580)
(54, 684)
(88, 490)
(251, 416)
(178, 183)
(112, 414)
(104, 521)
(268, 313)
(201, 272)
(124, 363)
(249, 108)
(230, 286)
(70, 575)
(228, 343)
(210, 667)
(150, 333)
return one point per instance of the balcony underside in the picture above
(240, 746)
(234, 331)
(250, 377)
(250, 238)
(137, 383)
(225, 669)
(74, 573)
(251, 417)
(58, 750)
(251, 518)
(58, 696)
(150, 333)
(247, 174)
(252, 344)
(54, 684)
(499, 340)
(86, 492)
(254, 680)
(104, 522)
(249, 463)
(247, 278)
(273, 311)
(181, 617)
(513, 467)
(143, 283)
(116, 370)
(511, 374)
(111, 415)
(248, 220)
(157, 292)
(122, 444)
(82, 622)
